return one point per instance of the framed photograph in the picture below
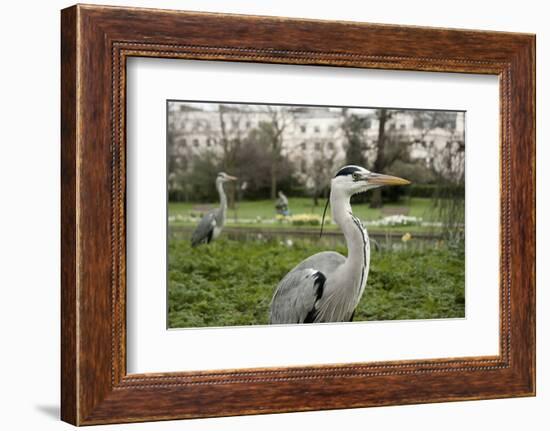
(263, 214)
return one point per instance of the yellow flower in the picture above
(406, 237)
(305, 219)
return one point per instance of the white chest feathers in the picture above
(365, 255)
(217, 231)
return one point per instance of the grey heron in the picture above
(212, 222)
(282, 204)
(327, 286)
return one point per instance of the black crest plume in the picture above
(323, 220)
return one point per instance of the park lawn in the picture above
(228, 283)
(265, 209)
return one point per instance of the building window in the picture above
(331, 145)
(331, 128)
(303, 129)
(316, 129)
(184, 143)
(303, 145)
(303, 166)
(392, 126)
(196, 143)
(318, 146)
(402, 126)
(248, 124)
(208, 142)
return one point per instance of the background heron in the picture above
(282, 204)
(327, 286)
(212, 223)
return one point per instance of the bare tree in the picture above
(447, 165)
(325, 163)
(233, 132)
(354, 127)
(447, 161)
(280, 119)
(179, 153)
(381, 161)
(322, 169)
(387, 148)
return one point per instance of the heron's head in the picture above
(223, 177)
(352, 179)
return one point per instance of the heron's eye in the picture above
(356, 176)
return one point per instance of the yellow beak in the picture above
(386, 180)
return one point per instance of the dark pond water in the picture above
(379, 239)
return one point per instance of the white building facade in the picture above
(312, 134)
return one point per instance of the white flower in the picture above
(397, 220)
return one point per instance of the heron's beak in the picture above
(385, 180)
(231, 178)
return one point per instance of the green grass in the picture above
(261, 214)
(230, 282)
(418, 207)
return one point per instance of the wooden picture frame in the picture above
(95, 43)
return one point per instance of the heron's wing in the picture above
(326, 261)
(205, 229)
(296, 297)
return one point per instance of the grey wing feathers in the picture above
(205, 229)
(326, 261)
(296, 297)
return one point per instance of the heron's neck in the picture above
(357, 240)
(223, 198)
